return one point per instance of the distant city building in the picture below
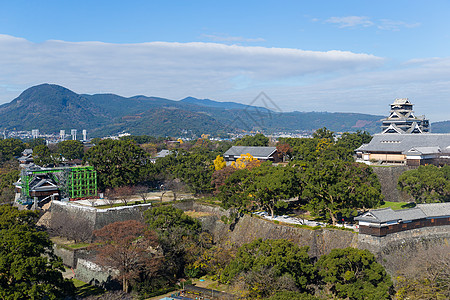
(62, 135)
(73, 132)
(402, 119)
(35, 133)
(84, 135)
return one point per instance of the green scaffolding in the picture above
(73, 182)
(81, 182)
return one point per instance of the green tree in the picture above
(9, 174)
(426, 184)
(287, 295)
(10, 148)
(268, 186)
(35, 142)
(282, 257)
(353, 274)
(193, 168)
(323, 133)
(337, 187)
(354, 140)
(257, 140)
(178, 235)
(233, 192)
(301, 148)
(44, 157)
(28, 267)
(164, 218)
(71, 149)
(119, 163)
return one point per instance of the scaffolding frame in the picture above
(73, 182)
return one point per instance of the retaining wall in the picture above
(89, 272)
(388, 177)
(71, 256)
(97, 218)
(249, 228)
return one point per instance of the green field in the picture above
(397, 205)
(84, 289)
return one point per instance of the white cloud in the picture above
(295, 79)
(227, 38)
(171, 70)
(386, 24)
(350, 21)
(363, 21)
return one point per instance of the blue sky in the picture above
(339, 56)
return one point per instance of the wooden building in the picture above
(409, 149)
(381, 222)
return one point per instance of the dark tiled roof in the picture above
(421, 211)
(163, 153)
(387, 214)
(435, 209)
(257, 152)
(402, 143)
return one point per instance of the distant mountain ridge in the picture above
(50, 107)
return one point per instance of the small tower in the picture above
(73, 132)
(84, 135)
(35, 133)
(403, 120)
(62, 135)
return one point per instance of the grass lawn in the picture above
(83, 289)
(398, 205)
(78, 245)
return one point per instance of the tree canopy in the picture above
(333, 187)
(28, 267)
(427, 184)
(193, 168)
(71, 149)
(179, 236)
(256, 140)
(281, 257)
(353, 274)
(125, 245)
(119, 163)
(44, 157)
(10, 148)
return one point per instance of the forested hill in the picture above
(50, 108)
(440, 127)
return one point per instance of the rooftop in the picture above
(257, 152)
(421, 211)
(402, 143)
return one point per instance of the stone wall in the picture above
(70, 256)
(249, 228)
(89, 272)
(396, 250)
(388, 176)
(96, 218)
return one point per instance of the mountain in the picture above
(440, 127)
(216, 104)
(50, 108)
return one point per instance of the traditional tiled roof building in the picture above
(402, 119)
(381, 222)
(260, 153)
(410, 149)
